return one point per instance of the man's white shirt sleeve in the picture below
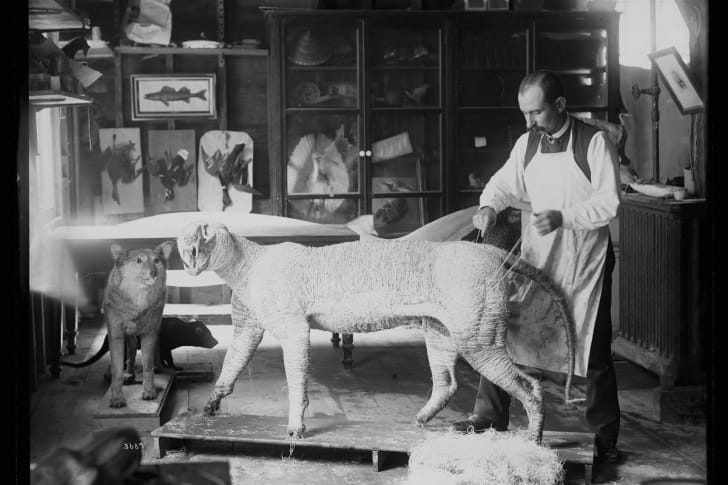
(506, 187)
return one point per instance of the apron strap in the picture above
(581, 135)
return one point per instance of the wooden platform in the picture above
(143, 415)
(213, 472)
(197, 371)
(380, 438)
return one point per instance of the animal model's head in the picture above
(196, 245)
(145, 266)
(197, 332)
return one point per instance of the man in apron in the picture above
(564, 174)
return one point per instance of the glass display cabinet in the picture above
(406, 115)
(490, 62)
(361, 120)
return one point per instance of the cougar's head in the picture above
(195, 246)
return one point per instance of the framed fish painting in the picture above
(163, 96)
(121, 164)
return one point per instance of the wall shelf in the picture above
(50, 98)
(226, 51)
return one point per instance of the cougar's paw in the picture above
(420, 423)
(149, 395)
(296, 432)
(211, 407)
(117, 402)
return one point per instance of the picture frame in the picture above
(674, 75)
(171, 96)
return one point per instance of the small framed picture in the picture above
(165, 96)
(674, 75)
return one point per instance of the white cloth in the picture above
(574, 254)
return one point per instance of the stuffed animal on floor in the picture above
(457, 292)
(135, 295)
(173, 333)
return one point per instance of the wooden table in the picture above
(89, 247)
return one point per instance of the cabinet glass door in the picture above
(491, 62)
(404, 127)
(322, 121)
(579, 56)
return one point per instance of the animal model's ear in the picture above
(165, 249)
(117, 252)
(207, 232)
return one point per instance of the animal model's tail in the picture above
(516, 265)
(96, 356)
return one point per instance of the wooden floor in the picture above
(388, 384)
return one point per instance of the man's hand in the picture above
(484, 218)
(546, 221)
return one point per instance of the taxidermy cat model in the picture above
(456, 291)
(173, 333)
(134, 299)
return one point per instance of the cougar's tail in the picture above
(518, 266)
(96, 356)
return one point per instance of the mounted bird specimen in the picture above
(231, 169)
(172, 171)
(317, 167)
(120, 164)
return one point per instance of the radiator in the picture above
(659, 286)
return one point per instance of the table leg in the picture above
(72, 323)
(348, 346)
(54, 326)
(71, 329)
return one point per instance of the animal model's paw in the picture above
(149, 395)
(420, 423)
(211, 407)
(117, 402)
(296, 432)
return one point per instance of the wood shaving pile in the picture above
(491, 458)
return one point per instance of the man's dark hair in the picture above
(549, 82)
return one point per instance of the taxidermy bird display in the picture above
(172, 171)
(417, 95)
(393, 210)
(230, 169)
(317, 167)
(475, 182)
(120, 164)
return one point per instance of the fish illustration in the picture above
(167, 94)
(120, 164)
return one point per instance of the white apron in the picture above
(574, 259)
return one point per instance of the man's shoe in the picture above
(475, 424)
(607, 454)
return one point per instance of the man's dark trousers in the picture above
(602, 405)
